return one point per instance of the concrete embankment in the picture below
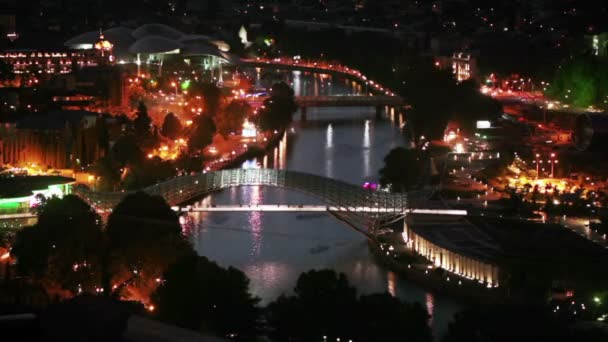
(438, 280)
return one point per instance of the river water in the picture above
(274, 248)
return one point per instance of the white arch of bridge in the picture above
(332, 192)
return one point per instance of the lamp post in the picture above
(537, 162)
(174, 84)
(553, 161)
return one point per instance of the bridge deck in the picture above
(349, 100)
(313, 208)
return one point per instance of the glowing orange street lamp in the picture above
(537, 162)
(553, 161)
(174, 84)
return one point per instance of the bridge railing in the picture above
(182, 189)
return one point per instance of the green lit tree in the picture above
(581, 81)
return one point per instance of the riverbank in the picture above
(255, 152)
(433, 278)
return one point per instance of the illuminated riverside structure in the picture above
(62, 139)
(455, 246)
(49, 62)
(19, 194)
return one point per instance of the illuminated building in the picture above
(456, 247)
(249, 130)
(49, 62)
(463, 65)
(65, 139)
(19, 194)
(153, 44)
(598, 44)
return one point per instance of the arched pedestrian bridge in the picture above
(338, 196)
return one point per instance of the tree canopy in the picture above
(211, 95)
(326, 305)
(144, 237)
(202, 134)
(64, 248)
(198, 294)
(231, 118)
(402, 169)
(142, 121)
(581, 81)
(510, 323)
(278, 109)
(172, 127)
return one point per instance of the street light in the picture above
(174, 84)
(537, 162)
(553, 161)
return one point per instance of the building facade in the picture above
(60, 140)
(452, 259)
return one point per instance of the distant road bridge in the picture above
(349, 101)
(382, 96)
(377, 101)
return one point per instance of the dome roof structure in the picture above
(119, 36)
(199, 38)
(154, 39)
(157, 30)
(155, 44)
(87, 38)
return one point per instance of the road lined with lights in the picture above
(318, 66)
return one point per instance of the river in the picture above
(274, 248)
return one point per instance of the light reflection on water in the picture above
(273, 249)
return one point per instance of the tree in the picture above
(63, 249)
(202, 134)
(211, 94)
(189, 163)
(126, 151)
(324, 304)
(581, 81)
(511, 323)
(198, 294)
(6, 72)
(108, 172)
(144, 237)
(148, 172)
(232, 117)
(383, 317)
(142, 122)
(402, 169)
(103, 136)
(172, 127)
(278, 108)
(422, 82)
(326, 307)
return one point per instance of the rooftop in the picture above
(21, 186)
